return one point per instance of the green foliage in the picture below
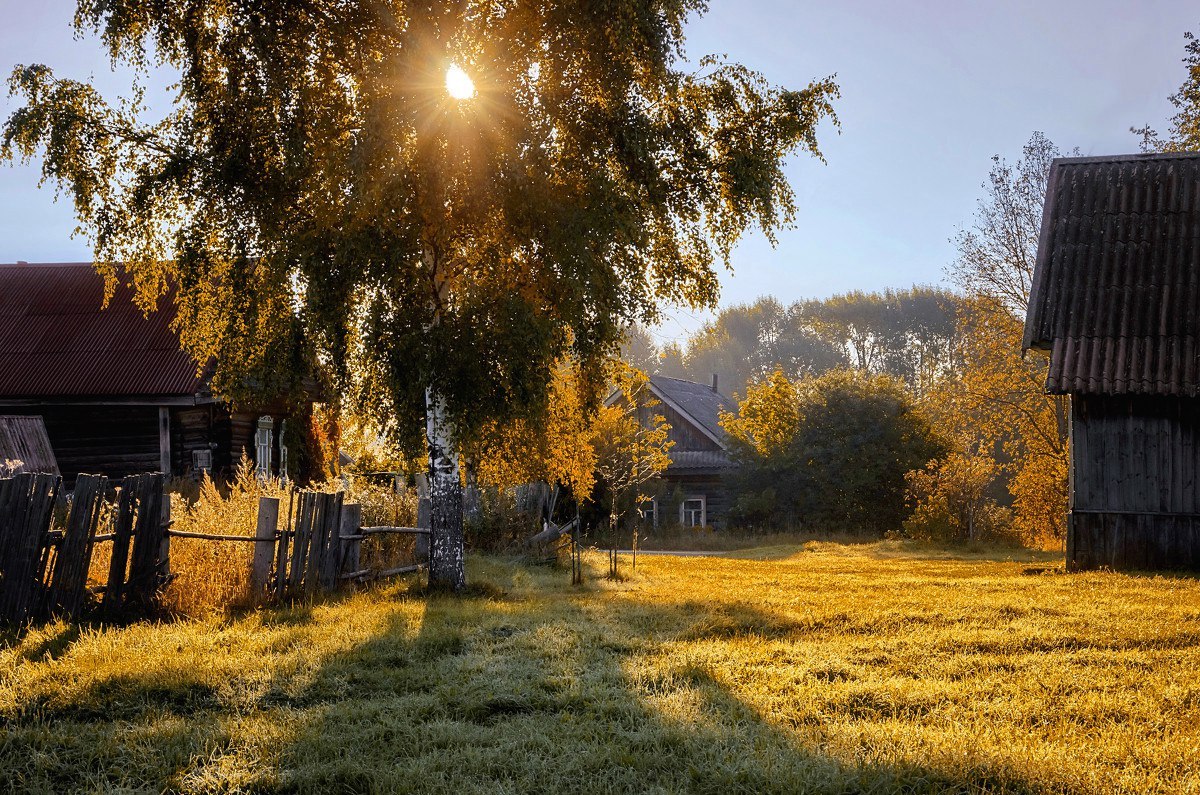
(953, 502)
(315, 194)
(828, 453)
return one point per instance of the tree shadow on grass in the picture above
(511, 689)
(548, 694)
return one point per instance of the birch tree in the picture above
(436, 201)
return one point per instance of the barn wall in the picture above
(1134, 501)
(106, 440)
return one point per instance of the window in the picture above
(692, 512)
(648, 510)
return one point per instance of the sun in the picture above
(458, 83)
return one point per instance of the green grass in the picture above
(828, 668)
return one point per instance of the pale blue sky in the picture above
(929, 92)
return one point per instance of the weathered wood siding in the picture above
(115, 441)
(24, 439)
(683, 432)
(1133, 493)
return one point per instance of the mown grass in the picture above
(827, 668)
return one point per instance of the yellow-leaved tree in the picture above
(997, 404)
(632, 446)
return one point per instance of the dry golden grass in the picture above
(824, 668)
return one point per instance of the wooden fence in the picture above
(44, 568)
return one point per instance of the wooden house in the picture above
(1115, 302)
(116, 393)
(692, 491)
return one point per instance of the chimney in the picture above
(22, 262)
(714, 383)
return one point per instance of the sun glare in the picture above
(458, 83)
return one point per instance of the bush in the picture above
(828, 454)
(952, 502)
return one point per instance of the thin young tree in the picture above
(632, 447)
(437, 201)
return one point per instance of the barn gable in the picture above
(1117, 280)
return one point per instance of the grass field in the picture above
(828, 668)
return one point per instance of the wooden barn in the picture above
(692, 490)
(116, 393)
(1115, 301)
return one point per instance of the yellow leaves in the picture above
(632, 444)
(999, 404)
(769, 417)
(556, 448)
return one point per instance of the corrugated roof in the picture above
(699, 460)
(1116, 288)
(57, 342)
(699, 402)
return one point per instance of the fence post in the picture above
(122, 530)
(351, 526)
(164, 549)
(264, 546)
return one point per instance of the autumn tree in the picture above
(437, 201)
(1000, 403)
(632, 446)
(828, 453)
(555, 448)
(1183, 135)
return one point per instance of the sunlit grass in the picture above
(827, 668)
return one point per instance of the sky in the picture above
(930, 92)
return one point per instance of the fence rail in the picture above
(44, 569)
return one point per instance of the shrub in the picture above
(952, 502)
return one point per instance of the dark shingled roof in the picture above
(1116, 290)
(56, 342)
(699, 402)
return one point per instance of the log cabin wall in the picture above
(1133, 492)
(104, 440)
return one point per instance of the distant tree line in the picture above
(911, 335)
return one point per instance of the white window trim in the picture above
(703, 510)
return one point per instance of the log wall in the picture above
(1133, 491)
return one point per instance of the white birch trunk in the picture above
(446, 565)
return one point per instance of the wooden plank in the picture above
(316, 542)
(331, 547)
(300, 541)
(264, 548)
(164, 440)
(114, 590)
(144, 569)
(68, 583)
(281, 551)
(351, 547)
(27, 520)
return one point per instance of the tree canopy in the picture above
(315, 187)
(828, 453)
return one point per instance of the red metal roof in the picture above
(57, 342)
(1116, 289)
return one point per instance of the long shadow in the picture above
(512, 689)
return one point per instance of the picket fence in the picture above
(44, 568)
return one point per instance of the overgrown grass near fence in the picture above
(828, 668)
(214, 576)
